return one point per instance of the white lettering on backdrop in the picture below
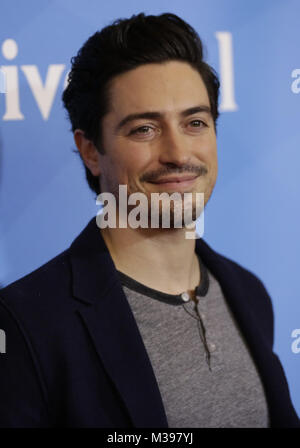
(44, 92)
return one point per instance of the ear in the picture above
(88, 151)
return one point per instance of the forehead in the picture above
(165, 87)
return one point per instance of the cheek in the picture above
(213, 170)
(213, 158)
(209, 157)
(119, 170)
(212, 154)
(136, 160)
(206, 146)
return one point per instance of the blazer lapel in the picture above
(248, 303)
(113, 329)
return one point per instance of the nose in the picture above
(173, 148)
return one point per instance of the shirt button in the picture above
(212, 347)
(185, 296)
(202, 315)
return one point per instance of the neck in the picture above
(162, 259)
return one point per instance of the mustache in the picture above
(152, 176)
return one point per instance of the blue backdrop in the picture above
(253, 216)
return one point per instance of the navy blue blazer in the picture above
(75, 357)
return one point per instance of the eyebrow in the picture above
(155, 115)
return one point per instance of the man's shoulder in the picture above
(53, 278)
(233, 276)
(43, 279)
(217, 261)
(244, 290)
(79, 272)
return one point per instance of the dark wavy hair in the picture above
(118, 48)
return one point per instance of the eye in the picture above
(142, 130)
(201, 123)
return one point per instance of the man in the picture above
(142, 327)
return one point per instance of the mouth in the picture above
(175, 182)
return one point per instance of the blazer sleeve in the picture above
(22, 402)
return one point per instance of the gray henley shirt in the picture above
(204, 370)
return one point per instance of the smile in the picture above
(175, 181)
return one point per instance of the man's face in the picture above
(171, 147)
